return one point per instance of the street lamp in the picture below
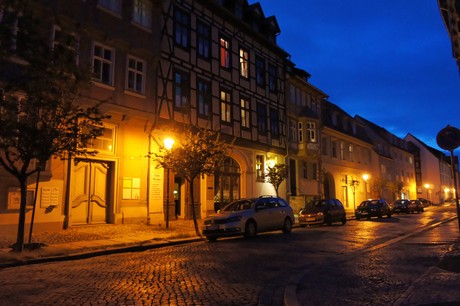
(168, 143)
(365, 178)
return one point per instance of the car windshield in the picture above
(316, 204)
(238, 205)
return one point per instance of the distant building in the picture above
(436, 181)
(450, 13)
(349, 163)
(396, 162)
(303, 105)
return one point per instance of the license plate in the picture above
(212, 227)
(311, 219)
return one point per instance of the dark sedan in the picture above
(401, 206)
(373, 208)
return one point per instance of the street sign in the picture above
(448, 138)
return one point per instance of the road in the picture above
(363, 262)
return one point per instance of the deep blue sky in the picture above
(388, 61)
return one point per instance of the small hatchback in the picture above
(373, 208)
(324, 211)
(248, 217)
(401, 206)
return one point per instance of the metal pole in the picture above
(454, 174)
(167, 198)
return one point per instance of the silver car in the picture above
(248, 217)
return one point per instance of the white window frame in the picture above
(134, 73)
(300, 131)
(311, 130)
(104, 61)
(244, 63)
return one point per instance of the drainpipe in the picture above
(67, 193)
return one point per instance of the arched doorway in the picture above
(329, 186)
(226, 183)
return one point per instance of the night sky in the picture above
(388, 61)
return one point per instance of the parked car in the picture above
(324, 211)
(425, 202)
(415, 206)
(248, 217)
(401, 206)
(373, 208)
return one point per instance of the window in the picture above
(260, 166)
(311, 131)
(111, 5)
(272, 78)
(350, 152)
(342, 150)
(274, 123)
(135, 75)
(334, 148)
(204, 98)
(227, 182)
(181, 28)
(314, 171)
(245, 113)
(103, 143)
(224, 53)
(10, 25)
(142, 13)
(261, 118)
(300, 131)
(203, 34)
(103, 62)
(305, 170)
(244, 63)
(293, 131)
(324, 146)
(225, 106)
(181, 90)
(260, 71)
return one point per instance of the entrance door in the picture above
(89, 204)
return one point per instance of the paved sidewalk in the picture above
(87, 241)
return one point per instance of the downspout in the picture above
(67, 193)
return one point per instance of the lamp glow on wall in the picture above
(365, 178)
(168, 143)
(427, 186)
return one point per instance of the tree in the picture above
(276, 175)
(379, 184)
(39, 114)
(198, 152)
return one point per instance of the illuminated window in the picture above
(300, 131)
(311, 131)
(244, 63)
(245, 113)
(105, 142)
(225, 106)
(224, 53)
(260, 166)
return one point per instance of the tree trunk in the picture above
(197, 230)
(19, 246)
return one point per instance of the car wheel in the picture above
(250, 229)
(389, 215)
(287, 226)
(328, 220)
(379, 216)
(358, 218)
(211, 239)
(303, 225)
(344, 220)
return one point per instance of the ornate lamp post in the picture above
(168, 143)
(353, 184)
